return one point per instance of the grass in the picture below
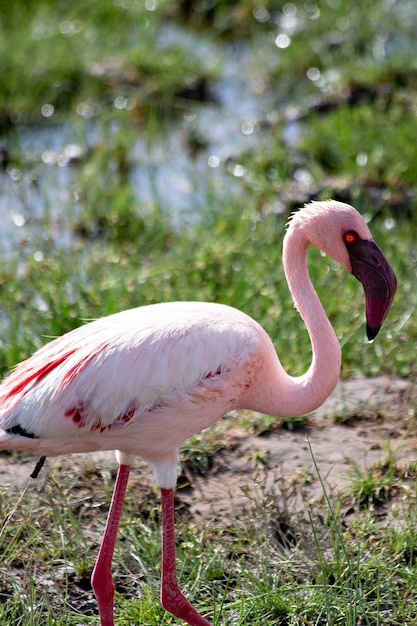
(316, 566)
(113, 79)
(83, 52)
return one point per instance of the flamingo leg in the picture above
(171, 597)
(101, 579)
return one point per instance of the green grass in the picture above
(46, 297)
(84, 55)
(118, 71)
(316, 566)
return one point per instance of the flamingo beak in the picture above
(372, 269)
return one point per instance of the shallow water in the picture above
(164, 170)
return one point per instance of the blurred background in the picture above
(154, 150)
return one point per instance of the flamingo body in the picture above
(144, 380)
(135, 381)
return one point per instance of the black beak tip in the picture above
(372, 331)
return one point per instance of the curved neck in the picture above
(298, 395)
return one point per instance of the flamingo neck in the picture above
(298, 395)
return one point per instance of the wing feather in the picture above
(116, 368)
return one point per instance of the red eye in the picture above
(349, 237)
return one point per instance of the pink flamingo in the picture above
(144, 380)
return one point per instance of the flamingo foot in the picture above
(176, 603)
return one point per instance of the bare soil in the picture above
(353, 428)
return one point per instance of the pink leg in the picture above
(171, 597)
(101, 579)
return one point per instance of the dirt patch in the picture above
(353, 427)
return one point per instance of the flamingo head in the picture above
(341, 232)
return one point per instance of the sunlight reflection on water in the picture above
(162, 170)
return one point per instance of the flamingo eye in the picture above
(350, 237)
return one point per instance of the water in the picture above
(44, 195)
(163, 170)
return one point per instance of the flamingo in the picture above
(142, 381)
